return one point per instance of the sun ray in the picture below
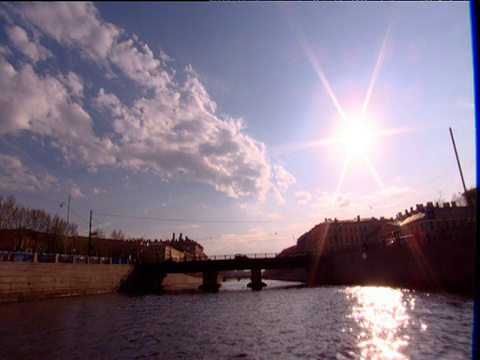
(344, 170)
(350, 137)
(295, 147)
(392, 132)
(374, 173)
(304, 44)
(376, 70)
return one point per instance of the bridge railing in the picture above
(242, 256)
(39, 257)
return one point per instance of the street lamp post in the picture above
(68, 223)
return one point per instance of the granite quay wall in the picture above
(35, 280)
(446, 264)
(172, 280)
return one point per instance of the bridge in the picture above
(210, 267)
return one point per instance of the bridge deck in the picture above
(226, 262)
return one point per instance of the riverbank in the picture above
(20, 281)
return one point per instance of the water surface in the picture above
(279, 322)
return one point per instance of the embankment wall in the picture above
(27, 281)
(30, 280)
(446, 265)
(443, 263)
(180, 279)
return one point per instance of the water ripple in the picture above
(300, 323)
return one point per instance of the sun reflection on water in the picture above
(381, 313)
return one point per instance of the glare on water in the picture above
(381, 313)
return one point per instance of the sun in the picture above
(355, 136)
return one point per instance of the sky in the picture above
(239, 125)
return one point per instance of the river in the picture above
(279, 322)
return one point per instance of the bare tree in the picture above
(117, 235)
(8, 211)
(98, 233)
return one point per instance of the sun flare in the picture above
(355, 136)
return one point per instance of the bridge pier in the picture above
(210, 281)
(256, 283)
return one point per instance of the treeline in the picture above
(35, 229)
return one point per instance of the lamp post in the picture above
(68, 222)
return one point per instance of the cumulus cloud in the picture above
(171, 137)
(303, 197)
(331, 201)
(97, 191)
(138, 63)
(76, 192)
(282, 179)
(73, 24)
(4, 50)
(344, 206)
(45, 106)
(167, 127)
(32, 49)
(15, 176)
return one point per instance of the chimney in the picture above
(358, 218)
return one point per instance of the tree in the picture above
(35, 225)
(8, 211)
(55, 233)
(117, 235)
(98, 233)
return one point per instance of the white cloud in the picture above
(15, 176)
(137, 61)
(172, 131)
(97, 191)
(282, 180)
(73, 24)
(304, 197)
(47, 107)
(76, 192)
(4, 50)
(73, 83)
(172, 136)
(332, 204)
(31, 49)
(385, 202)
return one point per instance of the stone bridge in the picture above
(210, 267)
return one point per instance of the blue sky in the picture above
(240, 125)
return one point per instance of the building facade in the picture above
(424, 223)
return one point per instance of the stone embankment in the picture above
(442, 263)
(39, 280)
(446, 265)
(31, 280)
